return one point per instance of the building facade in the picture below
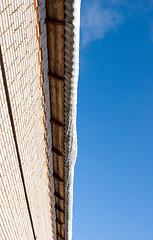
(38, 96)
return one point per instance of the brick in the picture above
(25, 68)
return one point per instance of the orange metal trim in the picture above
(35, 4)
(37, 31)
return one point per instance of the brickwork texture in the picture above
(24, 51)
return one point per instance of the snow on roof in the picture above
(72, 32)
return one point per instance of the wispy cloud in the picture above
(98, 19)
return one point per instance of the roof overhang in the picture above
(63, 19)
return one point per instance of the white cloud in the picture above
(97, 20)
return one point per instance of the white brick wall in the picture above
(20, 49)
(14, 214)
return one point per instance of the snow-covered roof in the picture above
(72, 29)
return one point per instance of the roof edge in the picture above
(72, 36)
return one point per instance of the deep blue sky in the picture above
(113, 187)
